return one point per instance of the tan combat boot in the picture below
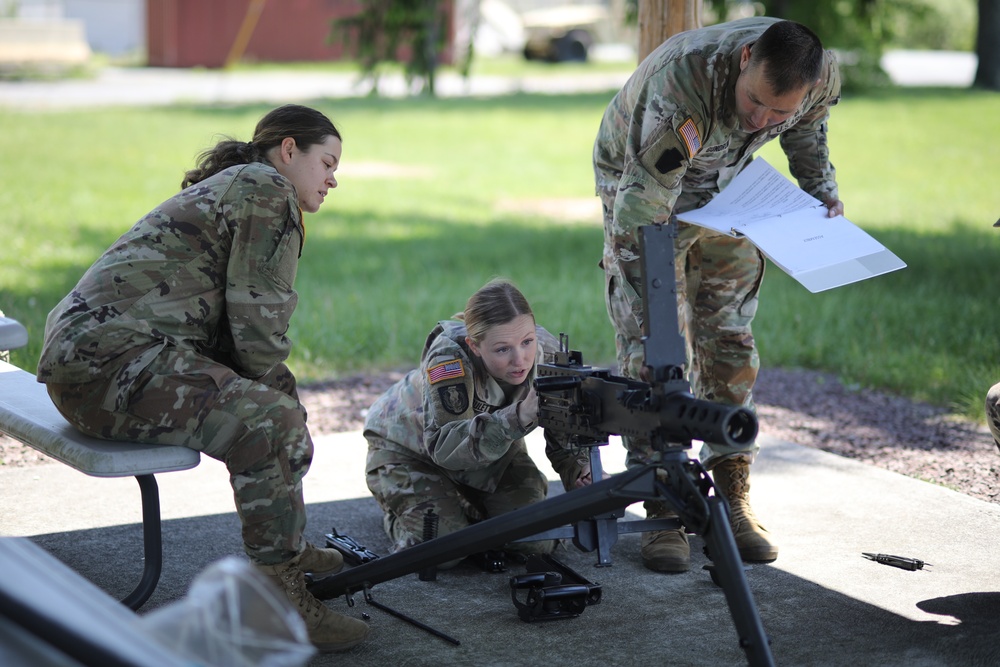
(732, 477)
(664, 550)
(328, 630)
(314, 560)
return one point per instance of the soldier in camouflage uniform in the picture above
(177, 335)
(449, 437)
(686, 122)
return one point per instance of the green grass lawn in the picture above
(438, 196)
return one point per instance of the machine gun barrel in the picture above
(591, 404)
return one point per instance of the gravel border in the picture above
(805, 407)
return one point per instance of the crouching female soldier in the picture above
(449, 436)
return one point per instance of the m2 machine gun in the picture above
(586, 405)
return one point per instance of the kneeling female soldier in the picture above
(449, 436)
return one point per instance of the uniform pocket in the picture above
(283, 263)
(624, 305)
(749, 306)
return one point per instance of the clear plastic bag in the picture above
(233, 617)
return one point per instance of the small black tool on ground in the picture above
(354, 553)
(896, 561)
(554, 591)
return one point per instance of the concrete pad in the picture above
(821, 602)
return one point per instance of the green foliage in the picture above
(948, 25)
(438, 196)
(411, 32)
(862, 30)
(925, 331)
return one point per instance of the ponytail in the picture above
(306, 126)
(227, 153)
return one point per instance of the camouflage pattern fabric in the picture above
(176, 335)
(669, 141)
(408, 489)
(993, 412)
(447, 437)
(210, 270)
(256, 427)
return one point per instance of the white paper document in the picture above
(791, 228)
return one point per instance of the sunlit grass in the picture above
(438, 196)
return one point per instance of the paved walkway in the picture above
(821, 602)
(114, 86)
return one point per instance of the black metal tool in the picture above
(901, 562)
(554, 591)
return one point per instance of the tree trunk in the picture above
(988, 45)
(659, 19)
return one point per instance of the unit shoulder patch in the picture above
(668, 161)
(454, 398)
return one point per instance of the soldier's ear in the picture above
(472, 346)
(287, 149)
(744, 57)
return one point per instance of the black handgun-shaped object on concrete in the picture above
(354, 553)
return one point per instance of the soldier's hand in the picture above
(835, 206)
(527, 410)
(585, 478)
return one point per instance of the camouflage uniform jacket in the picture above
(211, 269)
(671, 139)
(450, 412)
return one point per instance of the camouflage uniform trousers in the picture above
(256, 427)
(993, 412)
(719, 277)
(407, 490)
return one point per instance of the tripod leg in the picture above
(729, 567)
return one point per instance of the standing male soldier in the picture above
(686, 122)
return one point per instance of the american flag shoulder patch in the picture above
(689, 133)
(449, 370)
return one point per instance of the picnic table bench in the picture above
(27, 414)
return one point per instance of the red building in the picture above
(196, 33)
